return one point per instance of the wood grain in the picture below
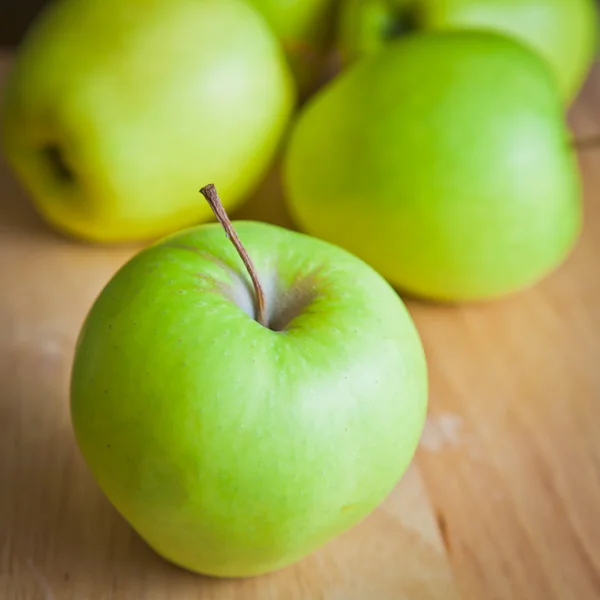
(502, 502)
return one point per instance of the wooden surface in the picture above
(502, 501)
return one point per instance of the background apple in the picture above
(305, 28)
(231, 447)
(110, 105)
(563, 32)
(458, 185)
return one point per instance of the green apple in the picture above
(111, 105)
(305, 28)
(237, 440)
(564, 32)
(443, 161)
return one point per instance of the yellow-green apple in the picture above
(563, 32)
(239, 421)
(109, 106)
(445, 162)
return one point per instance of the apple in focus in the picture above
(563, 32)
(444, 161)
(110, 104)
(232, 447)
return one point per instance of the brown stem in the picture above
(587, 143)
(211, 195)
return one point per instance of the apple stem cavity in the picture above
(55, 157)
(210, 193)
(400, 23)
(587, 143)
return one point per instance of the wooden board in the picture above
(502, 501)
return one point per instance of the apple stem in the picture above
(210, 193)
(587, 143)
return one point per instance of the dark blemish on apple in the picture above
(67, 576)
(108, 445)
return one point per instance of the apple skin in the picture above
(563, 32)
(304, 28)
(444, 162)
(143, 100)
(234, 449)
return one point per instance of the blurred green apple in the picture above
(564, 32)
(233, 447)
(443, 161)
(110, 105)
(305, 28)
